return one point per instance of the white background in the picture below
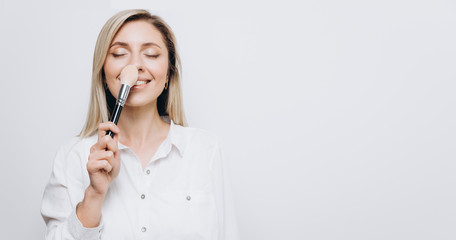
(337, 118)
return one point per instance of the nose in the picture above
(137, 61)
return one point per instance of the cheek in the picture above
(112, 69)
(159, 69)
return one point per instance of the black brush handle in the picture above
(115, 117)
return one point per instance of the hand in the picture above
(104, 159)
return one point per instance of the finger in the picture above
(105, 143)
(104, 127)
(100, 145)
(116, 137)
(102, 155)
(111, 144)
(96, 166)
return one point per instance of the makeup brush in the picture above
(128, 78)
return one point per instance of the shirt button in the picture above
(188, 198)
(148, 171)
(143, 229)
(143, 196)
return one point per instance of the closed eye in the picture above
(152, 56)
(117, 55)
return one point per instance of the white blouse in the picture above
(183, 193)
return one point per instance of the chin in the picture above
(138, 101)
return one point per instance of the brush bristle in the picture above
(129, 75)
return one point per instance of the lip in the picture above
(139, 87)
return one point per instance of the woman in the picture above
(155, 179)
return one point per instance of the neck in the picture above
(139, 125)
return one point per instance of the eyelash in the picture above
(119, 55)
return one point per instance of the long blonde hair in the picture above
(169, 103)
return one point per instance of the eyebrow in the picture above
(126, 44)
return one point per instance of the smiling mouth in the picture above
(141, 82)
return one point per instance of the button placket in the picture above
(142, 204)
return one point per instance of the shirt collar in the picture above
(175, 138)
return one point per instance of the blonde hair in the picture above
(169, 103)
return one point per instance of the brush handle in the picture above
(115, 117)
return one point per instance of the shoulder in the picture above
(196, 134)
(76, 145)
(196, 138)
(71, 155)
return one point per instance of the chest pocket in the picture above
(186, 215)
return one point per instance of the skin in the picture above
(140, 127)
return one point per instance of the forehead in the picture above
(138, 32)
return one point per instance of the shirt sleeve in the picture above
(61, 195)
(227, 223)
